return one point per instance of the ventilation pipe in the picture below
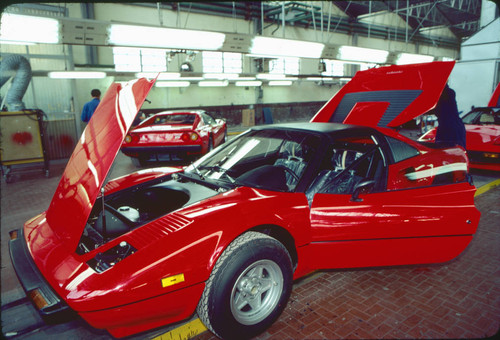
(18, 67)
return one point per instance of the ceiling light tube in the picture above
(285, 47)
(248, 83)
(214, 83)
(25, 28)
(221, 76)
(161, 76)
(162, 37)
(172, 84)
(319, 78)
(409, 58)
(368, 55)
(280, 83)
(274, 76)
(77, 75)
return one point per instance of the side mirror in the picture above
(362, 187)
(220, 120)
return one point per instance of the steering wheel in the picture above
(290, 171)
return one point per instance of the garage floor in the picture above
(459, 299)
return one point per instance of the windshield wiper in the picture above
(219, 169)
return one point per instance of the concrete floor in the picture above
(459, 299)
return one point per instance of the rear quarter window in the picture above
(400, 150)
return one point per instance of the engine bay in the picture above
(132, 208)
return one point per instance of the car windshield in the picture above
(483, 116)
(268, 159)
(185, 119)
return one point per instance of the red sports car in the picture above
(180, 133)
(227, 235)
(482, 126)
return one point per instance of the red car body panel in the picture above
(91, 160)
(410, 89)
(151, 137)
(413, 221)
(495, 98)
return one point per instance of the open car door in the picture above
(387, 96)
(358, 220)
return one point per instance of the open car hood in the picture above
(92, 158)
(495, 98)
(387, 96)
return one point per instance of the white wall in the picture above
(475, 75)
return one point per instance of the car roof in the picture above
(324, 128)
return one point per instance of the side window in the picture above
(400, 150)
(347, 165)
(208, 119)
(486, 118)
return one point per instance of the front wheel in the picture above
(248, 288)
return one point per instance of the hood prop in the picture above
(104, 233)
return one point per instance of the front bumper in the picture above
(50, 306)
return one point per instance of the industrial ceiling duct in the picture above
(18, 67)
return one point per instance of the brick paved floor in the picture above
(459, 299)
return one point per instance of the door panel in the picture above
(438, 213)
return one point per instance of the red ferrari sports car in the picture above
(482, 126)
(180, 133)
(226, 236)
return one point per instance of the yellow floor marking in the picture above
(486, 187)
(187, 331)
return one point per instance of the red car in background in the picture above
(227, 235)
(179, 133)
(482, 126)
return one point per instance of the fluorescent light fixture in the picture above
(77, 75)
(172, 84)
(221, 76)
(246, 78)
(162, 76)
(319, 78)
(10, 42)
(162, 37)
(213, 83)
(192, 78)
(362, 54)
(408, 58)
(280, 83)
(266, 46)
(248, 83)
(274, 76)
(24, 28)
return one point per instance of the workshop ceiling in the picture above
(461, 17)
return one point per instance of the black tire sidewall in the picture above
(222, 320)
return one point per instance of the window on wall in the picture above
(334, 68)
(222, 62)
(284, 66)
(139, 59)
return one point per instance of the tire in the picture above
(248, 287)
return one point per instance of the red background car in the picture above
(179, 133)
(482, 126)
